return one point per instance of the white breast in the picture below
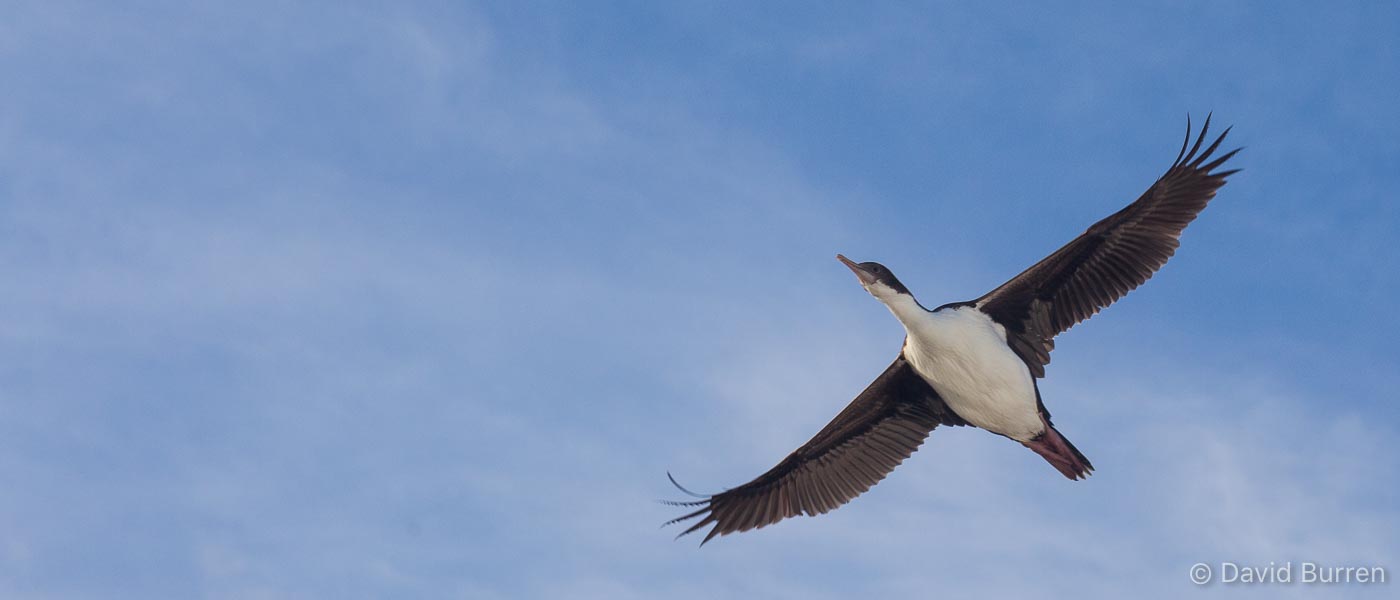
(963, 354)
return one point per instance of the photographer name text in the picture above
(1310, 573)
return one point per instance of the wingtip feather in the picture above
(1220, 161)
(1184, 142)
(682, 488)
(1205, 127)
(1216, 144)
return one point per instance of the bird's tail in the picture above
(1060, 453)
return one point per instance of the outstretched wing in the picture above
(879, 429)
(1109, 260)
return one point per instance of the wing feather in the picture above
(1110, 259)
(884, 425)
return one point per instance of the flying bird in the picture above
(976, 362)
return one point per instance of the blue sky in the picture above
(320, 300)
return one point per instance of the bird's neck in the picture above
(905, 308)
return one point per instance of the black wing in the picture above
(879, 429)
(1109, 260)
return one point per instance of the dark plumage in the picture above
(1110, 259)
(878, 430)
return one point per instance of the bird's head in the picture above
(876, 279)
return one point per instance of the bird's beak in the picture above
(865, 277)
